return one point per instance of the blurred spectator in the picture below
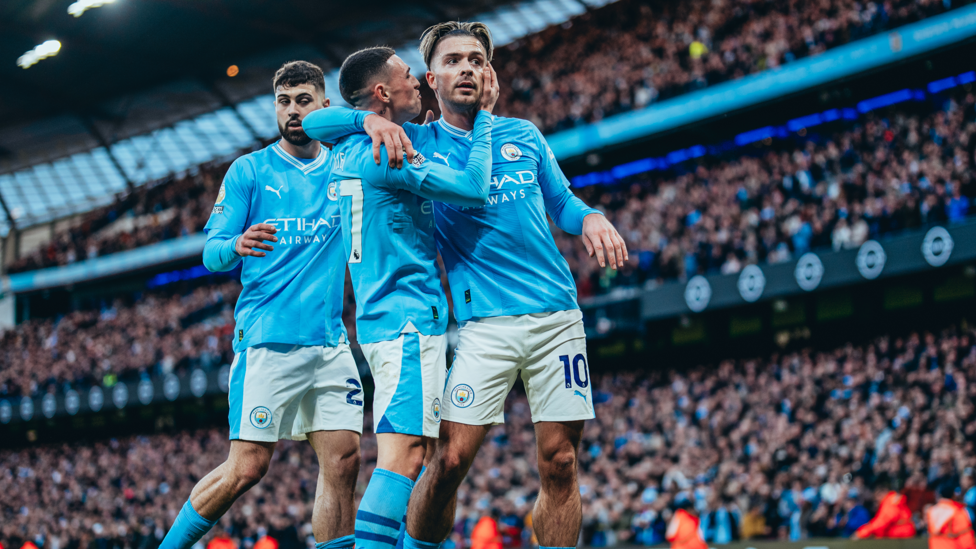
(486, 534)
(683, 530)
(949, 524)
(893, 519)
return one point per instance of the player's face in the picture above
(404, 90)
(456, 70)
(291, 106)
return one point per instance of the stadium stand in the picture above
(888, 171)
(153, 213)
(791, 446)
(630, 54)
(162, 332)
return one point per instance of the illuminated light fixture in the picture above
(40, 51)
(233, 71)
(81, 6)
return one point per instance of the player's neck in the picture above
(460, 119)
(311, 150)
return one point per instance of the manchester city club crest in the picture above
(435, 409)
(462, 395)
(333, 191)
(261, 417)
(510, 152)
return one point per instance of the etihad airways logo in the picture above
(309, 229)
(520, 178)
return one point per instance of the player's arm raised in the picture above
(332, 124)
(469, 188)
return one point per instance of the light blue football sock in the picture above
(410, 543)
(403, 525)
(381, 510)
(188, 528)
(345, 542)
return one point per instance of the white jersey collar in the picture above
(454, 130)
(305, 168)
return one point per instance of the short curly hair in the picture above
(296, 73)
(433, 35)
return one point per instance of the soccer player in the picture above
(514, 296)
(293, 376)
(401, 310)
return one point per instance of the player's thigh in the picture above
(556, 373)
(483, 372)
(408, 374)
(267, 383)
(334, 401)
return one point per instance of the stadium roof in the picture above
(140, 89)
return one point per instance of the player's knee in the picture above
(558, 468)
(452, 465)
(249, 472)
(345, 464)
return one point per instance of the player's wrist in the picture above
(237, 251)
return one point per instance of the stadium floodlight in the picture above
(49, 48)
(81, 6)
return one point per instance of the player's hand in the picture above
(600, 237)
(253, 239)
(489, 90)
(429, 118)
(384, 132)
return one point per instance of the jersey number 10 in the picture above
(577, 360)
(354, 188)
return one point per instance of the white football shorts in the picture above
(548, 350)
(409, 375)
(284, 391)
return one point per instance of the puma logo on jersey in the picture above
(442, 157)
(272, 189)
(579, 394)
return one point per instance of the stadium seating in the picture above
(157, 334)
(630, 54)
(888, 171)
(167, 210)
(793, 444)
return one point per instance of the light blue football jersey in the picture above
(388, 230)
(501, 259)
(294, 294)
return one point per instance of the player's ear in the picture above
(431, 81)
(326, 103)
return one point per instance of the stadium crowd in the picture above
(631, 53)
(161, 332)
(886, 172)
(795, 445)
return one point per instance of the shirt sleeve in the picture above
(468, 188)
(333, 123)
(228, 219)
(565, 208)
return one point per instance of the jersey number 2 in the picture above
(354, 188)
